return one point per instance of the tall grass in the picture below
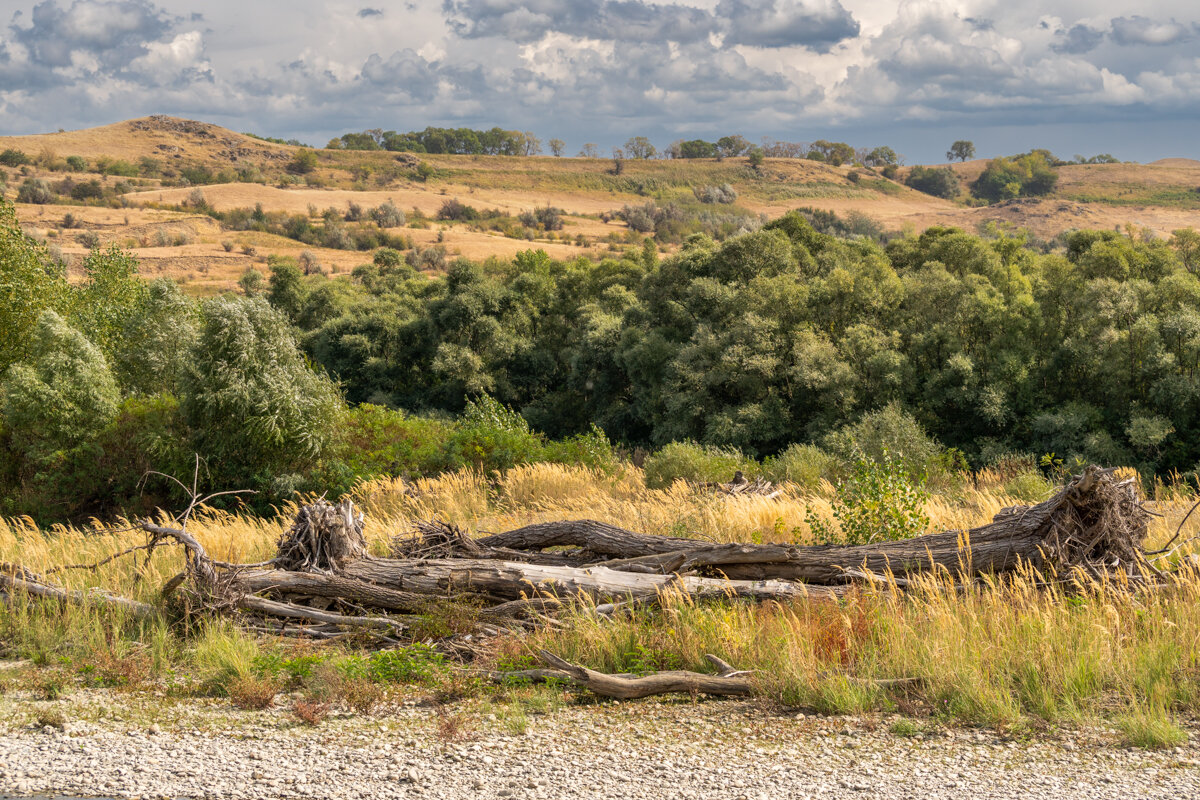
(1003, 654)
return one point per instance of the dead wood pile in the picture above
(323, 583)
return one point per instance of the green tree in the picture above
(111, 294)
(1186, 242)
(881, 157)
(756, 158)
(1027, 175)
(961, 150)
(730, 146)
(30, 283)
(157, 339)
(640, 147)
(60, 396)
(557, 146)
(937, 181)
(254, 407)
(304, 162)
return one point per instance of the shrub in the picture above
(457, 211)
(61, 397)
(88, 190)
(14, 158)
(76, 164)
(252, 693)
(197, 174)
(110, 166)
(491, 436)
(387, 215)
(715, 194)
(89, 239)
(1027, 175)
(252, 401)
(387, 257)
(879, 501)
(547, 218)
(802, 464)
(227, 245)
(697, 463)
(304, 162)
(937, 181)
(35, 190)
(892, 431)
(309, 263)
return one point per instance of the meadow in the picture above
(1010, 654)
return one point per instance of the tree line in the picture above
(773, 339)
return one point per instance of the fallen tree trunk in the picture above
(323, 576)
(1094, 522)
(512, 580)
(96, 597)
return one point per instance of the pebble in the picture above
(712, 750)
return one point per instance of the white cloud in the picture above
(591, 69)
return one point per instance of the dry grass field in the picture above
(1160, 197)
(1014, 654)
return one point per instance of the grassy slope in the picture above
(1159, 196)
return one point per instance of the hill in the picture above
(152, 172)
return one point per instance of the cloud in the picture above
(602, 70)
(109, 34)
(625, 20)
(1078, 39)
(818, 24)
(1140, 30)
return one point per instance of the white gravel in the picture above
(128, 746)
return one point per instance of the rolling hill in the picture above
(155, 215)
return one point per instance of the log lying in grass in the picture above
(323, 580)
(22, 580)
(1095, 522)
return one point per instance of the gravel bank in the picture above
(122, 746)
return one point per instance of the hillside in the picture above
(155, 162)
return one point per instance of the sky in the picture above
(1075, 76)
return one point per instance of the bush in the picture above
(456, 211)
(802, 464)
(387, 215)
(937, 181)
(387, 257)
(491, 436)
(697, 463)
(14, 158)
(35, 190)
(197, 174)
(879, 501)
(76, 164)
(715, 194)
(253, 403)
(1027, 175)
(547, 218)
(304, 162)
(88, 190)
(891, 431)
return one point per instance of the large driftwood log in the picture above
(514, 580)
(1094, 522)
(29, 584)
(323, 576)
